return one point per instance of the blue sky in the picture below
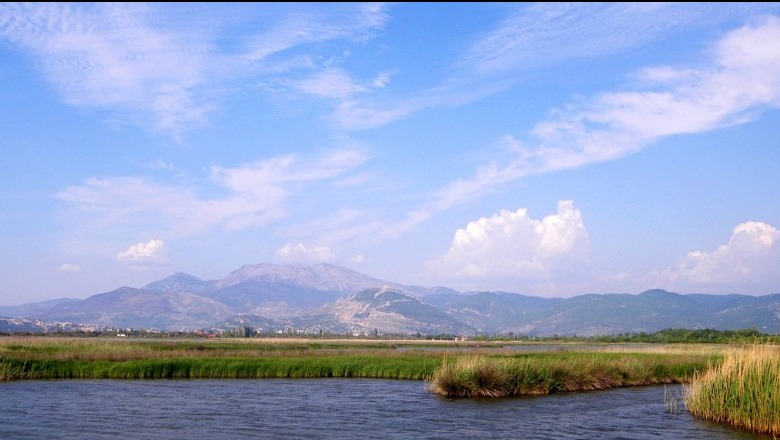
(544, 149)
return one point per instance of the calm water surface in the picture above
(329, 408)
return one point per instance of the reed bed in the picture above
(743, 391)
(56, 358)
(504, 376)
(477, 370)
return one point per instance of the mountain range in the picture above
(324, 298)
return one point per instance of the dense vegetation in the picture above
(743, 391)
(65, 358)
(690, 336)
(555, 372)
(61, 358)
(666, 336)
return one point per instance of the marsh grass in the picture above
(503, 376)
(743, 391)
(496, 372)
(56, 358)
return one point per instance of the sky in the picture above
(544, 149)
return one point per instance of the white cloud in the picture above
(250, 195)
(149, 251)
(330, 83)
(538, 35)
(752, 255)
(357, 259)
(742, 81)
(159, 65)
(299, 253)
(514, 245)
(334, 82)
(69, 267)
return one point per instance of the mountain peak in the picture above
(326, 277)
(659, 293)
(179, 282)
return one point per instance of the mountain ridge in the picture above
(331, 298)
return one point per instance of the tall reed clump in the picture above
(744, 391)
(502, 376)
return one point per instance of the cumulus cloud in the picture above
(299, 253)
(69, 267)
(751, 255)
(149, 251)
(514, 245)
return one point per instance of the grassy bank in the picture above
(495, 371)
(55, 358)
(743, 391)
(503, 376)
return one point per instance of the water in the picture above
(330, 408)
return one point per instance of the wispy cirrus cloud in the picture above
(539, 35)
(741, 81)
(336, 83)
(249, 195)
(161, 66)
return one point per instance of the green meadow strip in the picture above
(412, 368)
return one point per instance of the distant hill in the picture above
(139, 308)
(33, 309)
(654, 310)
(328, 298)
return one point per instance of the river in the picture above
(330, 408)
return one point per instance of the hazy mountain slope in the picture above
(179, 282)
(494, 311)
(34, 309)
(138, 308)
(652, 311)
(274, 290)
(392, 311)
(762, 313)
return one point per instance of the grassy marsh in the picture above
(490, 368)
(533, 374)
(743, 391)
(73, 358)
